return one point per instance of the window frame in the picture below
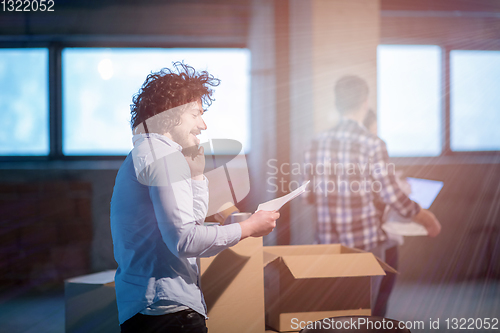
(440, 134)
(30, 45)
(447, 154)
(55, 47)
(450, 152)
(447, 48)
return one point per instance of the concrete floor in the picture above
(471, 299)
(32, 311)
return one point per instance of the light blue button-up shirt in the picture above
(157, 214)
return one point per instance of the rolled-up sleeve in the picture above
(389, 191)
(200, 199)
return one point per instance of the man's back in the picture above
(146, 264)
(350, 174)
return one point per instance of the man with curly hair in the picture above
(159, 204)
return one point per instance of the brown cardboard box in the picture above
(312, 282)
(90, 303)
(233, 285)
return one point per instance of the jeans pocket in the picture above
(192, 322)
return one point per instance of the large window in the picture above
(436, 100)
(409, 99)
(83, 107)
(98, 85)
(24, 115)
(475, 100)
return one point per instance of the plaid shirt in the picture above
(350, 178)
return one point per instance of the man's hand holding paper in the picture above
(276, 204)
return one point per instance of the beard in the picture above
(188, 149)
(181, 138)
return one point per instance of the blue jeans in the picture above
(186, 321)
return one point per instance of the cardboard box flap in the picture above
(268, 257)
(386, 267)
(318, 249)
(382, 263)
(333, 265)
(345, 249)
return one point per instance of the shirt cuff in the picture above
(411, 211)
(232, 233)
(416, 210)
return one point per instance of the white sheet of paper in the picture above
(96, 278)
(404, 228)
(277, 203)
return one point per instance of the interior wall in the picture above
(345, 39)
(61, 219)
(45, 231)
(468, 207)
(262, 44)
(178, 23)
(454, 29)
(330, 39)
(302, 111)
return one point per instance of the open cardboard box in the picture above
(313, 282)
(233, 286)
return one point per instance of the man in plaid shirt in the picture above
(352, 181)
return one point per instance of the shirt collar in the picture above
(344, 120)
(142, 136)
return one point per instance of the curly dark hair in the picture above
(168, 89)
